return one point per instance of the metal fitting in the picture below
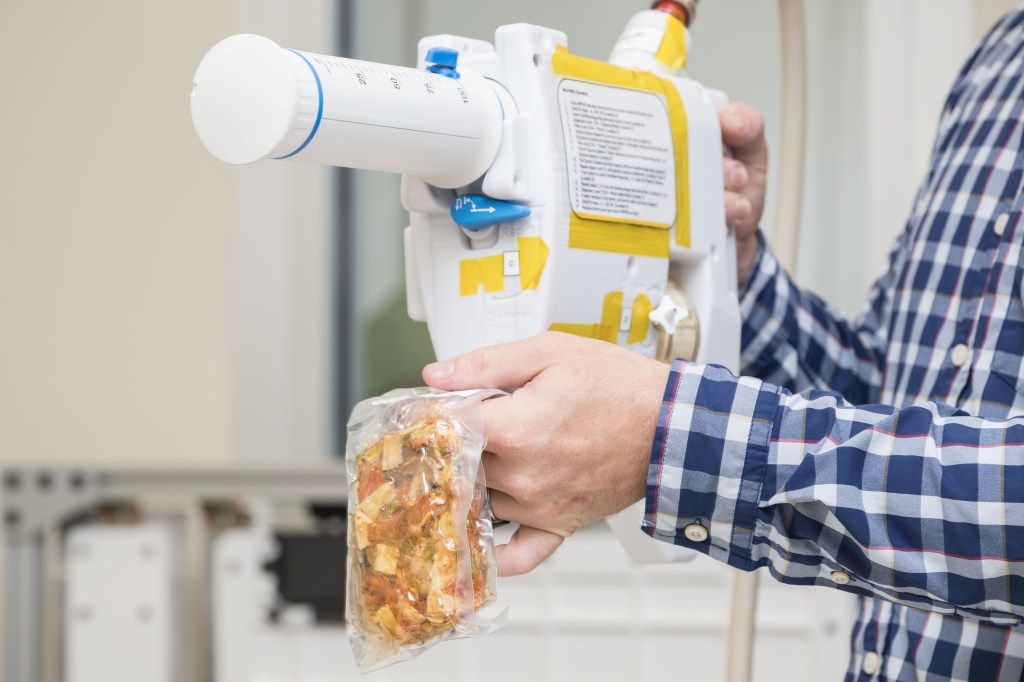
(684, 10)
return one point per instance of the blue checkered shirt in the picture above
(884, 456)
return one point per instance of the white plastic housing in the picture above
(550, 138)
(252, 99)
(574, 281)
(637, 46)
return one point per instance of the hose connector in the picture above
(683, 10)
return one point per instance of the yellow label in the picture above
(623, 235)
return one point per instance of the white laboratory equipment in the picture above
(237, 575)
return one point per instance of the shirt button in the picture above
(696, 532)
(840, 577)
(961, 353)
(871, 663)
(1001, 222)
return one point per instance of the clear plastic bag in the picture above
(421, 547)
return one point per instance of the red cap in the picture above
(675, 8)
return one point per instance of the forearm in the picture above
(793, 339)
(919, 505)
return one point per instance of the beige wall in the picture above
(157, 307)
(114, 236)
(986, 12)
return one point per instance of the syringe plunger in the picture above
(252, 99)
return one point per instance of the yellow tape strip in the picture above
(640, 324)
(631, 222)
(533, 255)
(672, 52)
(488, 272)
(611, 317)
(601, 235)
(606, 330)
(628, 237)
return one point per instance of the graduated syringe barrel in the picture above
(252, 99)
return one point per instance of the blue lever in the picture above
(478, 211)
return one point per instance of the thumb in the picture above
(507, 365)
(528, 549)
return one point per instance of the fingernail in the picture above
(742, 207)
(439, 371)
(735, 122)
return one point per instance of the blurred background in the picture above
(161, 309)
(159, 305)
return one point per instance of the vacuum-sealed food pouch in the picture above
(420, 548)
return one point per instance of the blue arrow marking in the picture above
(478, 211)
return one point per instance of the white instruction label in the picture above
(618, 149)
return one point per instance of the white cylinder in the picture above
(641, 40)
(252, 99)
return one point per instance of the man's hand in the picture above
(571, 446)
(746, 175)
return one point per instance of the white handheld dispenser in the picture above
(546, 191)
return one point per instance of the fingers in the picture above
(745, 172)
(496, 474)
(533, 515)
(508, 430)
(527, 550)
(538, 515)
(734, 175)
(738, 207)
(507, 365)
(743, 131)
(738, 210)
(504, 505)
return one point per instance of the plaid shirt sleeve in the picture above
(795, 340)
(921, 505)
